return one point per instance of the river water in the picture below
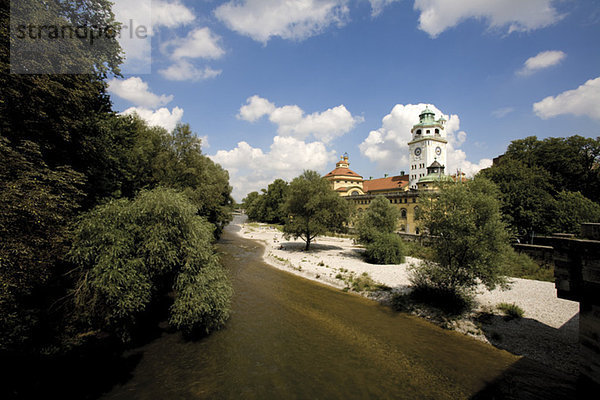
(290, 338)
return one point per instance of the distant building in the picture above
(427, 166)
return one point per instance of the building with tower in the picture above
(428, 144)
(427, 166)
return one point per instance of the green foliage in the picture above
(363, 283)
(525, 191)
(520, 265)
(127, 251)
(380, 218)
(385, 248)
(572, 208)
(471, 239)
(269, 206)
(511, 311)
(539, 180)
(313, 208)
(572, 162)
(36, 203)
(418, 250)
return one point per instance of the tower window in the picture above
(428, 130)
(418, 131)
(437, 131)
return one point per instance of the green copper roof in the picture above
(434, 178)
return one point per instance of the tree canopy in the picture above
(269, 206)
(471, 239)
(313, 208)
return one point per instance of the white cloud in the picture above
(542, 60)
(170, 14)
(184, 71)
(255, 108)
(140, 20)
(135, 90)
(199, 43)
(288, 19)
(585, 100)
(439, 15)
(292, 121)
(388, 145)
(378, 5)
(502, 112)
(251, 169)
(161, 117)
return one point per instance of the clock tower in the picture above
(428, 144)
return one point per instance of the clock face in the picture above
(438, 150)
(418, 151)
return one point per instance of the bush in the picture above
(128, 252)
(520, 265)
(417, 250)
(385, 248)
(512, 311)
(364, 283)
(428, 289)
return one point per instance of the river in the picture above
(290, 338)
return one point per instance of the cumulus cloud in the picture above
(170, 14)
(292, 121)
(186, 71)
(388, 145)
(542, 60)
(199, 43)
(438, 15)
(584, 100)
(140, 20)
(378, 5)
(161, 117)
(289, 19)
(252, 169)
(135, 90)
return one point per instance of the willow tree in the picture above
(313, 208)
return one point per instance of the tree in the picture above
(572, 209)
(37, 202)
(572, 162)
(127, 250)
(381, 217)
(313, 208)
(471, 239)
(526, 195)
(268, 206)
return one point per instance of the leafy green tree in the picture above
(313, 208)
(36, 202)
(525, 191)
(572, 162)
(274, 201)
(381, 217)
(127, 250)
(572, 209)
(471, 239)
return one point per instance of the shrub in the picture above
(385, 248)
(363, 283)
(511, 311)
(520, 265)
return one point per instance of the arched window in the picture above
(437, 131)
(418, 131)
(403, 213)
(354, 193)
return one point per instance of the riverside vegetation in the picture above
(105, 219)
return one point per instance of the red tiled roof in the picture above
(389, 183)
(343, 172)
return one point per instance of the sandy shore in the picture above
(548, 332)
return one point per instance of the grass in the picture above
(262, 225)
(511, 311)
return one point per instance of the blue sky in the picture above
(275, 87)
